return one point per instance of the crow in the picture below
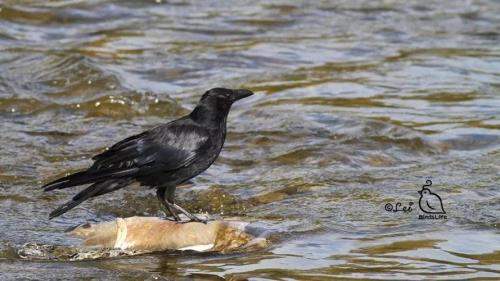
(161, 158)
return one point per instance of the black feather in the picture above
(86, 177)
(78, 199)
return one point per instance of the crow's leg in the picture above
(160, 193)
(171, 200)
(188, 214)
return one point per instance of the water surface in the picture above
(357, 104)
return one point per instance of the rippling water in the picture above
(357, 104)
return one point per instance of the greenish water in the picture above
(357, 104)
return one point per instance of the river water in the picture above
(357, 104)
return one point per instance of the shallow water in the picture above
(357, 104)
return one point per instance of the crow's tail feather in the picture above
(96, 189)
(86, 177)
(64, 180)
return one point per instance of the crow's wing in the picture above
(172, 146)
(167, 147)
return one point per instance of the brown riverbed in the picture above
(357, 104)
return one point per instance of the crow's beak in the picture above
(240, 94)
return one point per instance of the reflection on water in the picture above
(357, 103)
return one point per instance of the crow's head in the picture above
(221, 99)
(223, 96)
(214, 105)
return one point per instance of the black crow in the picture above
(162, 157)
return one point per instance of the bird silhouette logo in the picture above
(430, 202)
